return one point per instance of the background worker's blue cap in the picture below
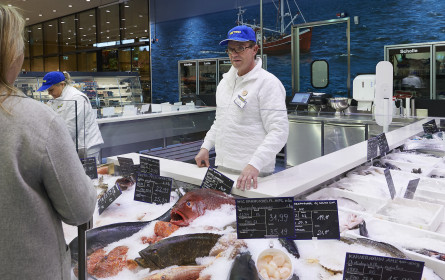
(51, 79)
(239, 33)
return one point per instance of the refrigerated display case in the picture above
(103, 89)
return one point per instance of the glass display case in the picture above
(103, 89)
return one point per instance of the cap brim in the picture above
(226, 41)
(44, 87)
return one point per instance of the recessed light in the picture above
(70, 6)
(108, 22)
(108, 37)
(27, 18)
(50, 25)
(54, 11)
(91, 15)
(123, 19)
(108, 11)
(141, 16)
(127, 6)
(40, 15)
(9, 5)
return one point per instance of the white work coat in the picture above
(88, 134)
(255, 133)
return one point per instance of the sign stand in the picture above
(82, 253)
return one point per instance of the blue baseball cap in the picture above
(51, 79)
(240, 33)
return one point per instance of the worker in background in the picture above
(66, 99)
(251, 124)
(42, 181)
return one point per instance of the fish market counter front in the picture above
(126, 134)
(403, 228)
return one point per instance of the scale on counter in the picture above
(300, 98)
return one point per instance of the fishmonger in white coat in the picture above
(66, 97)
(251, 124)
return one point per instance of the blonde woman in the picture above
(41, 178)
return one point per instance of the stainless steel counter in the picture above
(312, 135)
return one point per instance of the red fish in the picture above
(194, 204)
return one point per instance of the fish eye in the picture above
(189, 204)
(155, 251)
(163, 277)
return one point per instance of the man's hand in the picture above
(248, 178)
(202, 158)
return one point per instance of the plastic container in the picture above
(275, 263)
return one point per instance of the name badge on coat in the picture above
(240, 101)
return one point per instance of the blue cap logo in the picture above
(239, 33)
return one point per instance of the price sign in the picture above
(149, 165)
(108, 198)
(411, 189)
(389, 181)
(89, 165)
(430, 127)
(153, 188)
(383, 144)
(316, 219)
(265, 218)
(372, 148)
(217, 181)
(361, 267)
(126, 165)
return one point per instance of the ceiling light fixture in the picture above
(70, 6)
(54, 11)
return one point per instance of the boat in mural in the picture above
(278, 41)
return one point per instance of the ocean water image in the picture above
(380, 23)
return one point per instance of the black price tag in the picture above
(153, 188)
(265, 218)
(316, 219)
(372, 148)
(430, 127)
(149, 165)
(383, 144)
(108, 198)
(126, 165)
(389, 181)
(361, 267)
(411, 189)
(89, 165)
(217, 181)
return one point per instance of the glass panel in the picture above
(109, 25)
(411, 71)
(87, 62)
(68, 31)
(51, 63)
(125, 59)
(187, 78)
(36, 38)
(440, 72)
(141, 63)
(223, 67)
(134, 20)
(109, 60)
(207, 77)
(27, 31)
(87, 29)
(68, 63)
(51, 40)
(37, 65)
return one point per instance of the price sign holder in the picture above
(360, 267)
(265, 218)
(89, 165)
(383, 144)
(152, 188)
(217, 181)
(430, 127)
(390, 182)
(108, 198)
(411, 189)
(149, 165)
(126, 165)
(372, 148)
(316, 219)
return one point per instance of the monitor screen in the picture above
(301, 98)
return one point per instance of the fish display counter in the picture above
(195, 235)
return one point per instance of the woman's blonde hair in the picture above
(12, 43)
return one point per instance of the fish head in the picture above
(188, 208)
(158, 276)
(152, 257)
